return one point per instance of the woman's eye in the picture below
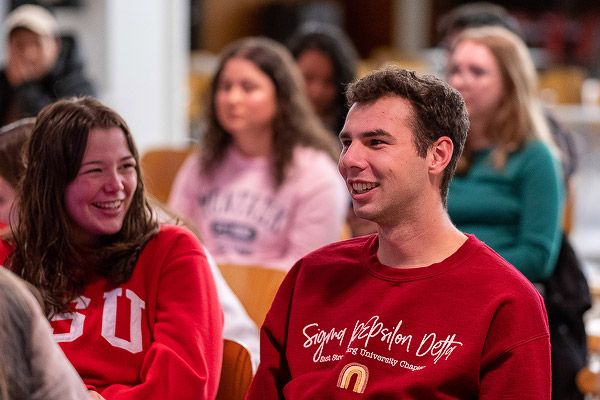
(478, 71)
(248, 87)
(223, 86)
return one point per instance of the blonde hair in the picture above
(519, 117)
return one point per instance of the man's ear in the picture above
(439, 154)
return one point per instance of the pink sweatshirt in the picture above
(243, 219)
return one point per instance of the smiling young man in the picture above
(418, 310)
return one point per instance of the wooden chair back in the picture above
(236, 372)
(588, 378)
(565, 82)
(159, 167)
(255, 286)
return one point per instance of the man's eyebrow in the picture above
(367, 134)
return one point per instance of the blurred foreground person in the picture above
(32, 366)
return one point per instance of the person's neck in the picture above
(255, 145)
(419, 242)
(478, 139)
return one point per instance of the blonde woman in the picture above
(509, 190)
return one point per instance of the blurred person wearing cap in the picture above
(40, 67)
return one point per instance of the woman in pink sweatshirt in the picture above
(265, 187)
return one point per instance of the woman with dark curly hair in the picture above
(328, 62)
(132, 302)
(265, 189)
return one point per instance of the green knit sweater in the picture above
(516, 211)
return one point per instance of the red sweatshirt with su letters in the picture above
(157, 336)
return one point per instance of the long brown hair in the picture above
(519, 117)
(45, 254)
(295, 122)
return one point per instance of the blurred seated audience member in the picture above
(32, 366)
(508, 189)
(474, 15)
(328, 62)
(265, 189)
(13, 138)
(483, 13)
(40, 67)
(132, 302)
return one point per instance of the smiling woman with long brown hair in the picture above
(132, 302)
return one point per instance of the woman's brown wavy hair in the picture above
(44, 251)
(295, 122)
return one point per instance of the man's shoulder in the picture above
(488, 268)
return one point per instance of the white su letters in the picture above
(109, 321)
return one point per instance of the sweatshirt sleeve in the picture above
(515, 362)
(519, 375)
(185, 357)
(542, 200)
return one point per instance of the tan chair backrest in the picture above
(159, 168)
(236, 372)
(565, 82)
(255, 286)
